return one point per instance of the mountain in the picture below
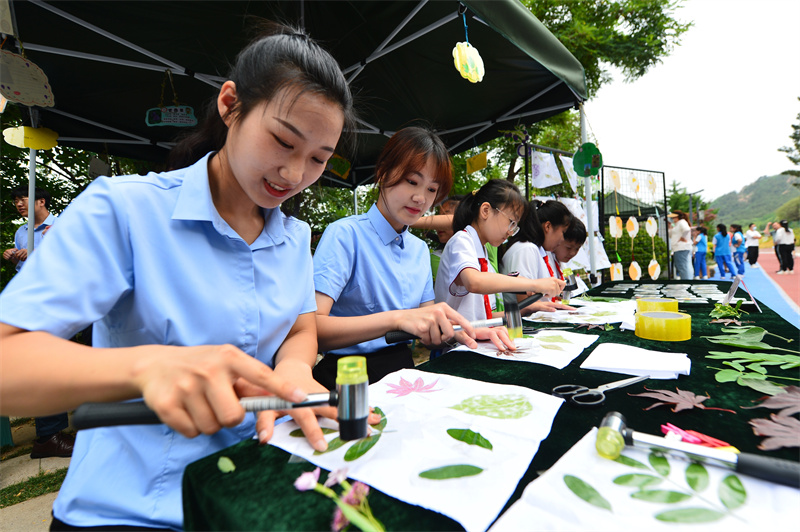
(757, 202)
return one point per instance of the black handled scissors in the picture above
(583, 396)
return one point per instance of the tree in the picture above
(793, 152)
(678, 198)
(789, 211)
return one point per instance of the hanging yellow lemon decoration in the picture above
(468, 62)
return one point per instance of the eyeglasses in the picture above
(20, 200)
(513, 228)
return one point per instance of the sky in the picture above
(713, 114)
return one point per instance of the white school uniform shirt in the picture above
(527, 259)
(461, 252)
(751, 238)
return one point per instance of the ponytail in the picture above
(496, 192)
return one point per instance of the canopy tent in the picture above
(107, 61)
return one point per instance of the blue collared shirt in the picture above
(149, 259)
(366, 266)
(21, 236)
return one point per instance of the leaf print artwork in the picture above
(451, 471)
(586, 492)
(360, 447)
(469, 437)
(510, 406)
(553, 338)
(405, 387)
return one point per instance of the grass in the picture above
(41, 484)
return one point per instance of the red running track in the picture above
(790, 284)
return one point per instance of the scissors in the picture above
(588, 397)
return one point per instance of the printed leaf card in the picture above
(594, 312)
(444, 443)
(554, 348)
(643, 490)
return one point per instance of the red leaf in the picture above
(682, 400)
(788, 401)
(783, 431)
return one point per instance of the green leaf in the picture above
(763, 386)
(757, 368)
(732, 492)
(470, 438)
(552, 347)
(451, 471)
(382, 424)
(630, 462)
(298, 433)
(226, 465)
(697, 476)
(690, 515)
(332, 446)
(659, 463)
(661, 496)
(637, 480)
(510, 406)
(361, 447)
(554, 338)
(586, 492)
(727, 375)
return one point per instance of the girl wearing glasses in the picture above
(466, 281)
(530, 252)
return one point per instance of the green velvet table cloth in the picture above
(259, 494)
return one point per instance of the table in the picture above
(260, 495)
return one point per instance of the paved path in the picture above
(790, 284)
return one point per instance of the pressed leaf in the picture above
(659, 463)
(690, 515)
(553, 338)
(298, 433)
(761, 385)
(469, 437)
(628, 461)
(788, 402)
(361, 447)
(552, 347)
(732, 492)
(783, 431)
(727, 375)
(225, 464)
(586, 492)
(451, 471)
(662, 496)
(757, 368)
(382, 425)
(332, 445)
(510, 406)
(637, 480)
(683, 400)
(697, 476)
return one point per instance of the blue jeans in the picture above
(700, 269)
(738, 260)
(683, 264)
(722, 261)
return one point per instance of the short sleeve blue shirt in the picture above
(722, 245)
(21, 236)
(149, 259)
(366, 266)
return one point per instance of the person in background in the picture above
(722, 251)
(738, 248)
(784, 240)
(50, 438)
(751, 239)
(529, 252)
(444, 231)
(700, 252)
(465, 281)
(771, 229)
(680, 235)
(367, 268)
(198, 320)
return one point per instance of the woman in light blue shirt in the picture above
(184, 274)
(372, 276)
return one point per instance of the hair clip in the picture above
(474, 191)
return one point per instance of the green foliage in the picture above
(789, 210)
(642, 250)
(793, 152)
(451, 471)
(33, 487)
(586, 492)
(632, 35)
(757, 202)
(678, 198)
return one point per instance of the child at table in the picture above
(466, 281)
(722, 251)
(526, 252)
(371, 274)
(183, 274)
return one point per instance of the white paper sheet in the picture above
(629, 360)
(419, 410)
(548, 504)
(551, 348)
(544, 170)
(595, 312)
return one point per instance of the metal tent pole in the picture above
(587, 190)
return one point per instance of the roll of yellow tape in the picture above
(656, 304)
(663, 326)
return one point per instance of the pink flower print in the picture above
(405, 387)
